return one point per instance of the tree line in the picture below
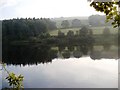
(22, 29)
(82, 36)
(93, 20)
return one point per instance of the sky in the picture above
(44, 8)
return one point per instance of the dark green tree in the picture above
(24, 29)
(70, 33)
(83, 31)
(60, 34)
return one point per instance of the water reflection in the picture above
(69, 73)
(63, 66)
(35, 54)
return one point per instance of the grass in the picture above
(99, 30)
(96, 30)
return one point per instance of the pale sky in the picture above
(44, 8)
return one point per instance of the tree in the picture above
(60, 34)
(51, 25)
(76, 23)
(65, 24)
(70, 33)
(24, 29)
(100, 20)
(109, 7)
(90, 32)
(83, 31)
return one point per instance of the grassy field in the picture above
(55, 32)
(96, 30)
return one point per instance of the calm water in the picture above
(81, 66)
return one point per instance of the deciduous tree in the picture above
(109, 8)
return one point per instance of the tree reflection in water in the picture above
(35, 54)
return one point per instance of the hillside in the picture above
(84, 20)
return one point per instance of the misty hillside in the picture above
(70, 18)
(94, 20)
(84, 20)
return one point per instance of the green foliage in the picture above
(83, 31)
(70, 33)
(65, 24)
(14, 80)
(77, 54)
(51, 25)
(84, 35)
(44, 35)
(110, 9)
(23, 29)
(66, 54)
(60, 34)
